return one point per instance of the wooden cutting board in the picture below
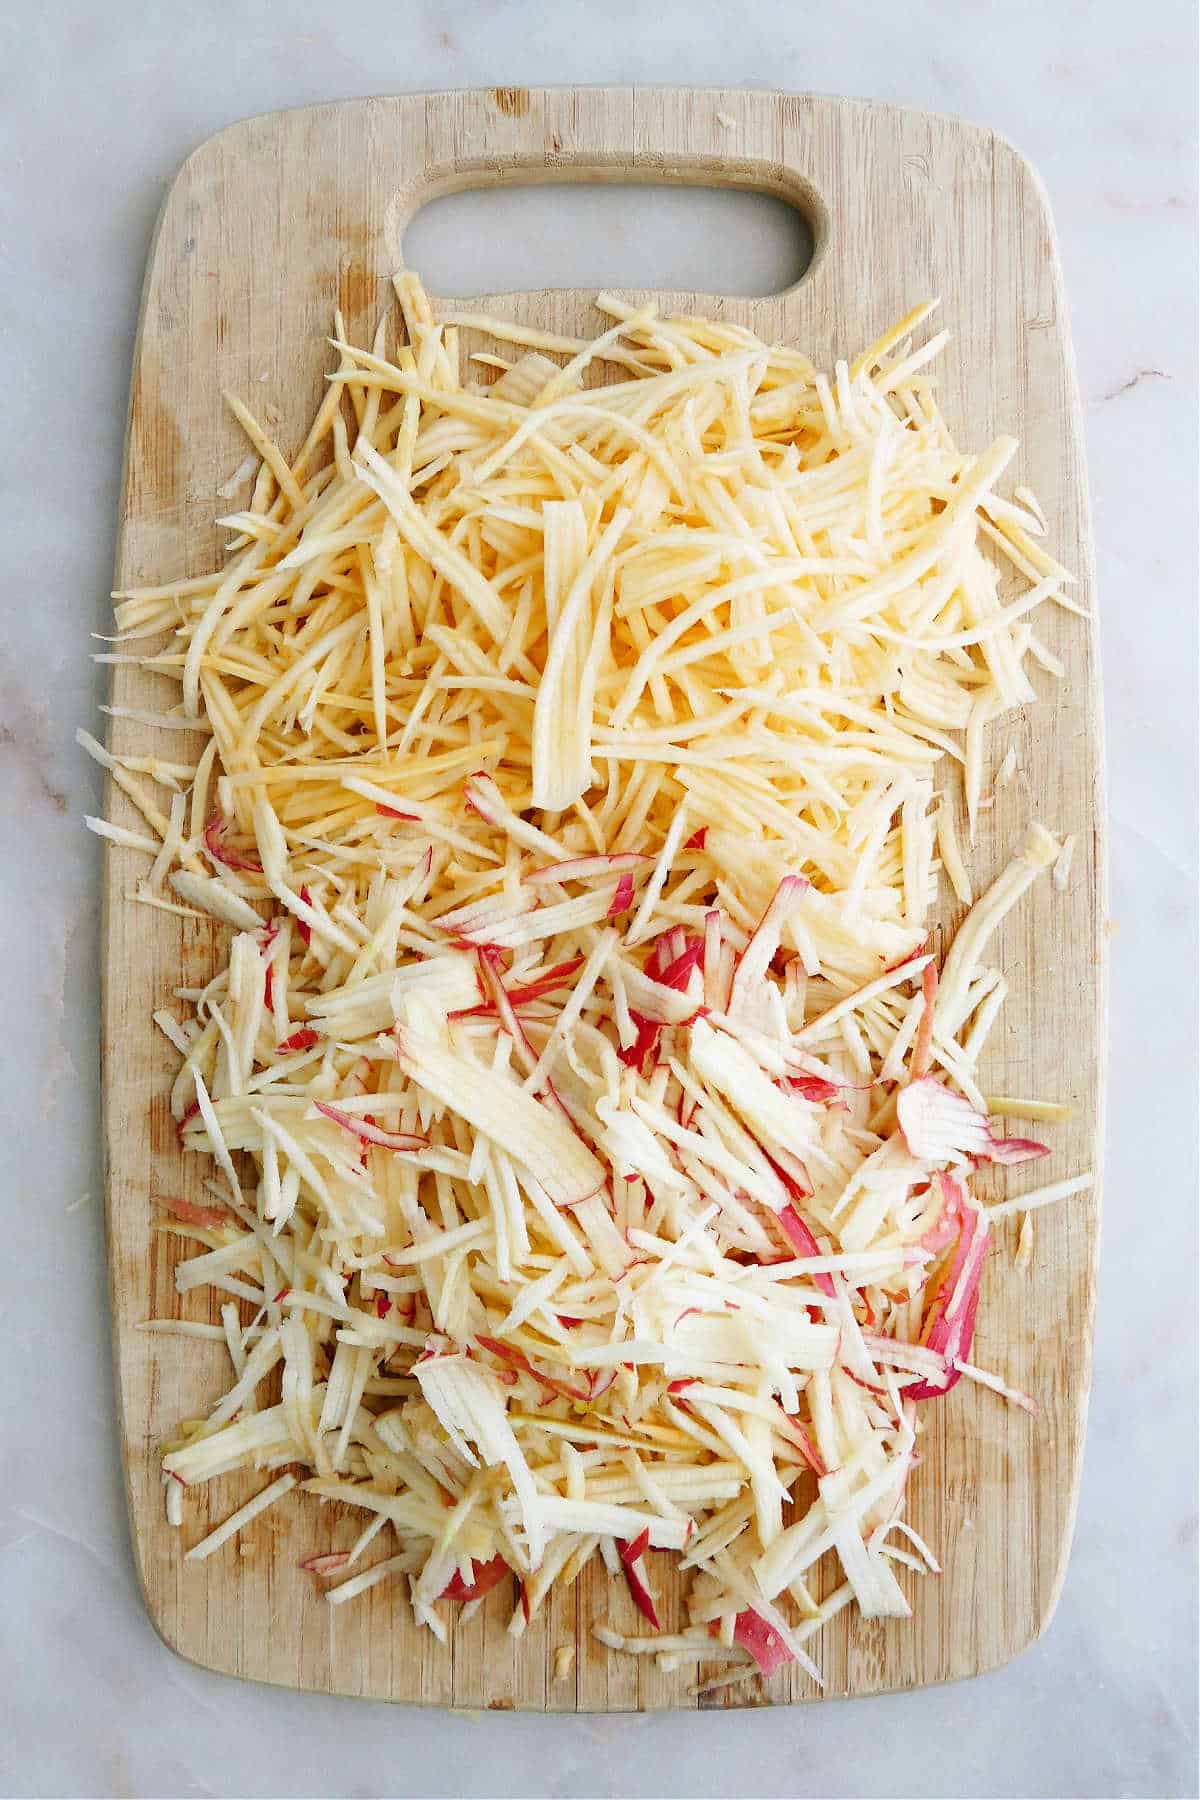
(267, 226)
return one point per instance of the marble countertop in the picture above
(99, 107)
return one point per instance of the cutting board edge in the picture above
(110, 900)
(1086, 574)
(602, 89)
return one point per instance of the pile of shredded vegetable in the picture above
(593, 1126)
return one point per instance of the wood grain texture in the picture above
(268, 225)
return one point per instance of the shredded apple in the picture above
(593, 1127)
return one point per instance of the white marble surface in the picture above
(98, 104)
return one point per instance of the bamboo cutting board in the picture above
(268, 226)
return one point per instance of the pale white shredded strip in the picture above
(234, 1523)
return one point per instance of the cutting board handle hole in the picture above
(597, 231)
